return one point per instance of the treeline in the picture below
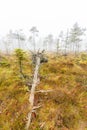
(73, 40)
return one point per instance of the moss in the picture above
(61, 109)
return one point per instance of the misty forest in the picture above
(43, 80)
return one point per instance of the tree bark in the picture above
(34, 84)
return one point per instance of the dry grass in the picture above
(63, 109)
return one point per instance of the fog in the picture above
(50, 17)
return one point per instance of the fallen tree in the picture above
(37, 60)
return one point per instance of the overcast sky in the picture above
(49, 16)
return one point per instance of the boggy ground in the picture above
(64, 108)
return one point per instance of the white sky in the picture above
(49, 16)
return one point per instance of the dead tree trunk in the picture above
(34, 84)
